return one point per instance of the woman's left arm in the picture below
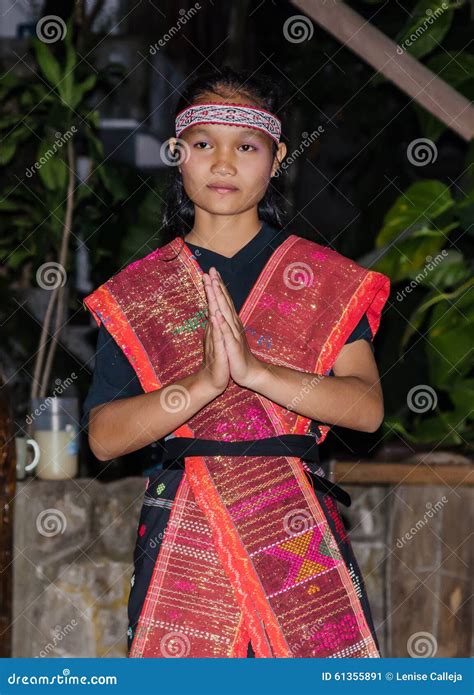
(351, 398)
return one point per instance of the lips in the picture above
(222, 188)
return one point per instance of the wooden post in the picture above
(413, 78)
(7, 496)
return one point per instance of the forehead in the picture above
(220, 130)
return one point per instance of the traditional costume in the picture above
(254, 548)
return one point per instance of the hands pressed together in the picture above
(226, 350)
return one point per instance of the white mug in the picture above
(22, 468)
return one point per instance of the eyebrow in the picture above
(247, 131)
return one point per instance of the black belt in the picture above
(302, 446)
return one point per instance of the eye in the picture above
(201, 142)
(246, 144)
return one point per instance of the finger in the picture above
(210, 294)
(225, 308)
(230, 341)
(238, 325)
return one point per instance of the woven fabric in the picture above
(229, 114)
(249, 552)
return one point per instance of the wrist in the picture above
(204, 386)
(256, 374)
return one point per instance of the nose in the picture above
(223, 166)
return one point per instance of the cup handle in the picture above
(36, 457)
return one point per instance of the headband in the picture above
(229, 114)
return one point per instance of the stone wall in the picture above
(74, 545)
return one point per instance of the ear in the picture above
(279, 157)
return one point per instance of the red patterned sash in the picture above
(248, 552)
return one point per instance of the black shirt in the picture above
(115, 378)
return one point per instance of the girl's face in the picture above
(229, 167)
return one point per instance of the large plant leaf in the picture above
(451, 336)
(47, 62)
(66, 83)
(446, 270)
(81, 89)
(426, 27)
(407, 256)
(422, 201)
(457, 69)
(52, 167)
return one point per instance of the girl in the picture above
(228, 345)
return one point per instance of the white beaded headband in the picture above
(229, 114)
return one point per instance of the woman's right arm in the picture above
(122, 426)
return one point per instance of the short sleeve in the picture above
(362, 332)
(113, 377)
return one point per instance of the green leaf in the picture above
(405, 259)
(465, 210)
(447, 269)
(451, 336)
(7, 150)
(462, 395)
(47, 62)
(52, 167)
(457, 69)
(422, 201)
(426, 27)
(18, 257)
(66, 85)
(82, 88)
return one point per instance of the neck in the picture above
(224, 234)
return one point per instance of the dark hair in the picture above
(258, 89)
